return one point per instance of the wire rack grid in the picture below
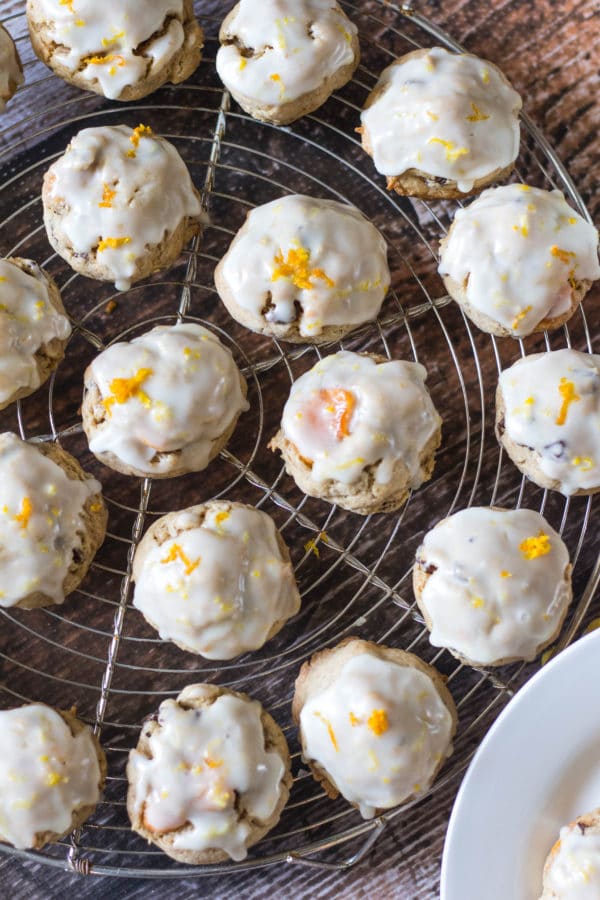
(354, 573)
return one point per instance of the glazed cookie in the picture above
(494, 585)
(11, 68)
(163, 404)
(53, 772)
(376, 723)
(281, 59)
(304, 270)
(519, 260)
(34, 328)
(359, 430)
(441, 124)
(123, 50)
(209, 777)
(216, 579)
(548, 419)
(119, 204)
(52, 522)
(572, 869)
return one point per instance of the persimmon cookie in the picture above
(164, 403)
(52, 775)
(281, 59)
(119, 48)
(359, 430)
(209, 777)
(304, 270)
(376, 724)
(11, 68)
(441, 124)
(119, 204)
(52, 522)
(572, 868)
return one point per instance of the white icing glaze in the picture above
(10, 70)
(574, 873)
(349, 412)
(40, 521)
(498, 590)
(27, 321)
(100, 40)
(380, 731)
(322, 253)
(540, 414)
(201, 759)
(521, 250)
(275, 51)
(175, 388)
(46, 773)
(125, 191)
(219, 587)
(449, 115)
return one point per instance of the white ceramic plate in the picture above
(537, 769)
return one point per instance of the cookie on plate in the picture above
(304, 270)
(119, 204)
(441, 125)
(209, 777)
(494, 585)
(216, 579)
(359, 430)
(123, 50)
(11, 68)
(53, 772)
(163, 404)
(376, 723)
(52, 522)
(281, 59)
(572, 869)
(548, 419)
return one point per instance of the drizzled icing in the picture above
(448, 115)
(349, 412)
(219, 583)
(320, 253)
(498, 590)
(379, 731)
(520, 251)
(121, 191)
(276, 51)
(552, 406)
(47, 773)
(40, 521)
(207, 765)
(28, 320)
(174, 389)
(11, 75)
(574, 870)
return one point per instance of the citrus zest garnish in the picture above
(108, 196)
(452, 152)
(378, 722)
(311, 546)
(563, 255)
(485, 76)
(177, 552)
(477, 116)
(243, 63)
(111, 243)
(26, 509)
(330, 730)
(54, 778)
(354, 720)
(340, 403)
(505, 574)
(520, 316)
(477, 602)
(106, 42)
(68, 3)
(535, 546)
(567, 391)
(136, 135)
(213, 763)
(296, 269)
(124, 389)
(103, 60)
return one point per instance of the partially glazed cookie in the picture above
(519, 260)
(548, 419)
(209, 777)
(52, 774)
(216, 579)
(304, 270)
(441, 124)
(163, 404)
(281, 59)
(376, 723)
(494, 585)
(11, 68)
(572, 869)
(52, 522)
(360, 431)
(119, 48)
(119, 204)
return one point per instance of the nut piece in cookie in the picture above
(441, 124)
(572, 868)
(122, 49)
(52, 522)
(376, 723)
(119, 204)
(281, 59)
(360, 431)
(209, 777)
(52, 774)
(11, 68)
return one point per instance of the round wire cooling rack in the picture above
(354, 573)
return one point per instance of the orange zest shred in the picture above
(111, 243)
(330, 730)
(124, 389)
(477, 116)
(68, 3)
(378, 722)
(213, 763)
(340, 403)
(520, 316)
(108, 195)
(354, 720)
(536, 545)
(564, 255)
(311, 546)
(177, 552)
(26, 509)
(136, 135)
(296, 269)
(569, 395)
(103, 60)
(452, 152)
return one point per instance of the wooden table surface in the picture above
(549, 50)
